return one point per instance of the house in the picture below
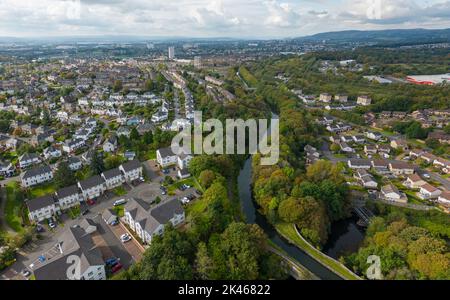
(442, 137)
(366, 179)
(110, 144)
(6, 169)
(73, 242)
(401, 168)
(358, 139)
(129, 155)
(132, 170)
(88, 225)
(364, 100)
(69, 196)
(36, 176)
(92, 187)
(416, 153)
(380, 166)
(325, 97)
(183, 161)
(391, 193)
(109, 216)
(428, 157)
(73, 145)
(427, 191)
(146, 127)
(346, 138)
(165, 157)
(359, 164)
(382, 148)
(441, 163)
(374, 135)
(113, 178)
(74, 163)
(341, 98)
(183, 173)
(370, 149)
(414, 181)
(41, 138)
(346, 148)
(42, 208)
(28, 159)
(52, 152)
(399, 144)
(147, 221)
(444, 198)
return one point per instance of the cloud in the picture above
(198, 18)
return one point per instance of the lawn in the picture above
(14, 207)
(42, 190)
(74, 212)
(120, 191)
(288, 231)
(191, 181)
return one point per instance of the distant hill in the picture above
(391, 36)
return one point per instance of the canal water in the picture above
(345, 238)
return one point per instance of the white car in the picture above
(125, 237)
(185, 200)
(427, 176)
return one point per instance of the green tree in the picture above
(97, 165)
(64, 176)
(206, 178)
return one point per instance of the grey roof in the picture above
(151, 218)
(28, 156)
(41, 202)
(166, 152)
(131, 165)
(91, 182)
(73, 160)
(67, 191)
(360, 162)
(112, 173)
(86, 222)
(73, 241)
(108, 214)
(36, 171)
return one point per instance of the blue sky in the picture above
(215, 18)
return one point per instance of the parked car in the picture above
(25, 273)
(185, 200)
(120, 202)
(90, 202)
(116, 268)
(125, 238)
(112, 261)
(114, 223)
(426, 175)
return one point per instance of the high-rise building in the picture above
(197, 62)
(171, 52)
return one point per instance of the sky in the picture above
(215, 18)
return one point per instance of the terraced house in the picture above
(36, 176)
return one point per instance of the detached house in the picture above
(444, 198)
(399, 144)
(36, 176)
(364, 100)
(414, 181)
(74, 163)
(148, 222)
(110, 145)
(52, 152)
(42, 208)
(132, 170)
(359, 164)
(92, 187)
(69, 196)
(427, 191)
(391, 193)
(6, 169)
(113, 178)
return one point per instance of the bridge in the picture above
(364, 214)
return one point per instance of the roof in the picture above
(112, 173)
(28, 156)
(359, 162)
(389, 188)
(91, 182)
(73, 160)
(67, 191)
(73, 241)
(86, 222)
(166, 152)
(41, 202)
(445, 195)
(131, 165)
(36, 171)
(429, 188)
(414, 178)
(401, 165)
(164, 211)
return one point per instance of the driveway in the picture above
(133, 247)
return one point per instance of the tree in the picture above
(113, 161)
(117, 86)
(206, 178)
(290, 210)
(64, 176)
(134, 134)
(147, 138)
(204, 265)
(447, 129)
(335, 147)
(4, 126)
(97, 165)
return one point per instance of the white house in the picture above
(183, 160)
(391, 193)
(74, 163)
(444, 198)
(92, 187)
(414, 181)
(69, 196)
(73, 145)
(113, 178)
(359, 164)
(28, 159)
(148, 221)
(374, 135)
(166, 157)
(427, 191)
(364, 100)
(36, 176)
(52, 152)
(42, 208)
(110, 144)
(401, 168)
(6, 169)
(132, 170)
